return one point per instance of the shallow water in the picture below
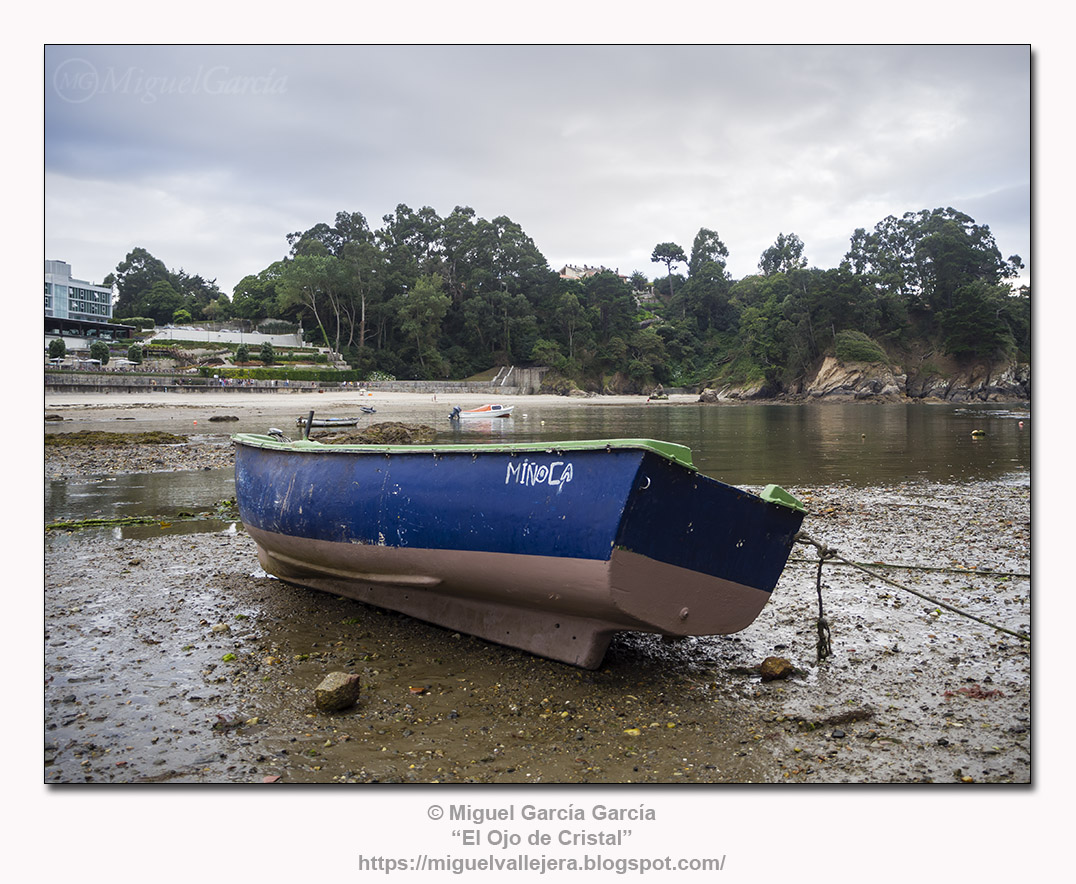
(804, 444)
(746, 445)
(179, 501)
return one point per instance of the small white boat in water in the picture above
(483, 411)
(327, 421)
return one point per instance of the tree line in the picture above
(431, 297)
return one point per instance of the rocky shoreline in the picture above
(836, 381)
(102, 458)
(173, 658)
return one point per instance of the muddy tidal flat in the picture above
(173, 658)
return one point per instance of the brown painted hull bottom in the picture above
(563, 609)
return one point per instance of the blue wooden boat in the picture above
(547, 547)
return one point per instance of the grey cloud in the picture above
(598, 152)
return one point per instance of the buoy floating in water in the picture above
(976, 433)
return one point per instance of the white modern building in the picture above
(78, 311)
(70, 298)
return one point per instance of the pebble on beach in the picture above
(337, 691)
(773, 668)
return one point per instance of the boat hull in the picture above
(483, 412)
(550, 551)
(328, 422)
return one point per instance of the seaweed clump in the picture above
(100, 437)
(386, 433)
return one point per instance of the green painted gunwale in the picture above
(679, 454)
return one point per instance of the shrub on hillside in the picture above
(854, 346)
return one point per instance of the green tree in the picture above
(1015, 312)
(99, 351)
(974, 324)
(242, 353)
(57, 348)
(182, 316)
(572, 321)
(546, 352)
(352, 281)
(925, 256)
(684, 348)
(708, 254)
(648, 359)
(322, 238)
(255, 296)
(420, 313)
(218, 309)
(705, 295)
(413, 238)
(365, 265)
(267, 355)
(135, 275)
(785, 255)
(668, 253)
(611, 306)
(200, 296)
(134, 354)
(159, 302)
(316, 283)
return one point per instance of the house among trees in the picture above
(641, 287)
(574, 271)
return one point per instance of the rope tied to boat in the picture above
(824, 647)
(826, 552)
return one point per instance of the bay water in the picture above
(795, 446)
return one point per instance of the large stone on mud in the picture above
(773, 668)
(337, 691)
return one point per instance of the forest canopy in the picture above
(431, 297)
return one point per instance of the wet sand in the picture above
(291, 403)
(174, 659)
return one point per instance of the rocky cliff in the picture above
(839, 381)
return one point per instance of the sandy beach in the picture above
(172, 658)
(290, 400)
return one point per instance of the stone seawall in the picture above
(122, 382)
(439, 387)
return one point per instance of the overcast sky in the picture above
(209, 156)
